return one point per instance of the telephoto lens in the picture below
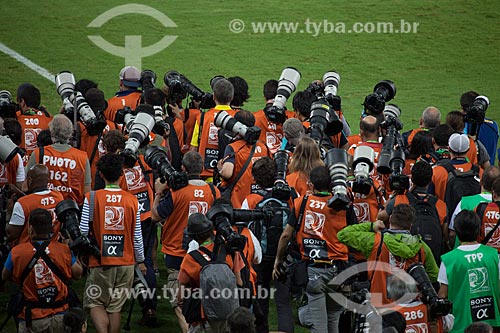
(336, 160)
(331, 81)
(287, 84)
(157, 159)
(363, 165)
(225, 121)
(65, 84)
(383, 92)
(8, 149)
(139, 131)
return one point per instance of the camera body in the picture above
(362, 164)
(224, 216)
(476, 113)
(249, 134)
(336, 160)
(383, 92)
(281, 190)
(157, 159)
(7, 107)
(75, 102)
(437, 306)
(287, 84)
(67, 213)
(180, 86)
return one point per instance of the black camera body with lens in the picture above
(67, 212)
(476, 114)
(363, 164)
(180, 86)
(224, 216)
(336, 161)
(391, 159)
(7, 107)
(437, 306)
(157, 159)
(281, 190)
(383, 92)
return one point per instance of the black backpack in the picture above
(268, 230)
(459, 185)
(427, 223)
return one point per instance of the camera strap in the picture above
(41, 151)
(229, 190)
(302, 209)
(377, 257)
(41, 248)
(200, 127)
(96, 145)
(50, 263)
(480, 212)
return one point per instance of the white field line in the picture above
(25, 61)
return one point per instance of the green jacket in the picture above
(362, 238)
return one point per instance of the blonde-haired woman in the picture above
(305, 158)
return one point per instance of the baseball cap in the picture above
(130, 76)
(293, 128)
(459, 143)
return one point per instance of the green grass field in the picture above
(455, 49)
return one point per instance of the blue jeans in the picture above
(322, 311)
(149, 229)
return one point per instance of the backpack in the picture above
(460, 184)
(268, 230)
(427, 223)
(215, 277)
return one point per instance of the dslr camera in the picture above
(476, 113)
(392, 157)
(74, 100)
(223, 215)
(281, 189)
(287, 84)
(157, 159)
(68, 214)
(437, 306)
(362, 164)
(180, 86)
(336, 160)
(323, 116)
(249, 134)
(383, 92)
(7, 107)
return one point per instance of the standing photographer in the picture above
(396, 247)
(316, 226)
(477, 295)
(129, 95)
(44, 286)
(205, 138)
(40, 197)
(237, 154)
(175, 206)
(69, 168)
(32, 117)
(116, 226)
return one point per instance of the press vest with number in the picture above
(317, 233)
(134, 181)
(187, 200)
(66, 171)
(415, 315)
(31, 126)
(209, 141)
(113, 225)
(473, 286)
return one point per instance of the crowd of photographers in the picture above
(365, 232)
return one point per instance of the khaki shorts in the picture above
(51, 324)
(106, 287)
(173, 285)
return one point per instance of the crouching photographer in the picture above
(315, 226)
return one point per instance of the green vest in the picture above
(473, 286)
